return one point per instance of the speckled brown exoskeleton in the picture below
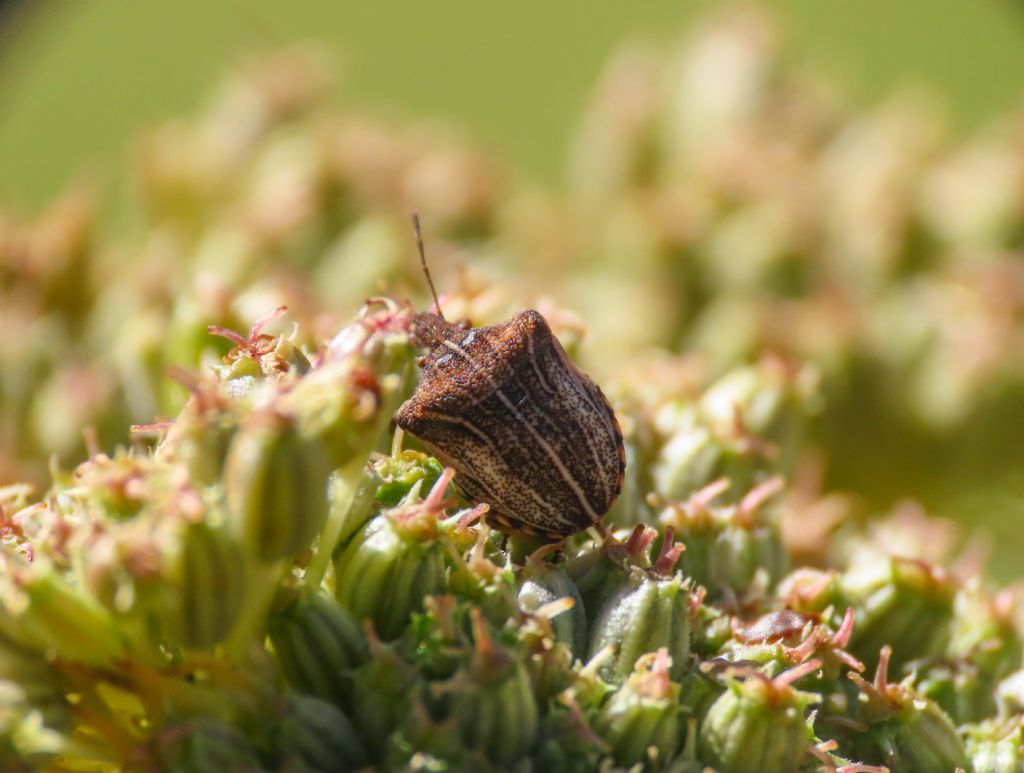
(526, 431)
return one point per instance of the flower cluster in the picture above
(284, 582)
(266, 575)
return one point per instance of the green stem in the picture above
(261, 585)
(344, 501)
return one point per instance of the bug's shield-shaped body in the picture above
(526, 431)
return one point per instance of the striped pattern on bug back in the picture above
(526, 431)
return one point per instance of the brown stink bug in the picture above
(526, 431)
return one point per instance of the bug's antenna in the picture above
(423, 262)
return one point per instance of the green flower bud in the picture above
(318, 643)
(492, 701)
(649, 610)
(542, 583)
(258, 357)
(275, 483)
(205, 585)
(757, 725)
(734, 550)
(906, 731)
(996, 746)
(384, 691)
(746, 426)
(348, 400)
(641, 721)
(397, 474)
(984, 633)
(201, 435)
(44, 612)
(200, 746)
(315, 735)
(902, 603)
(394, 561)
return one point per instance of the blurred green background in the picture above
(79, 79)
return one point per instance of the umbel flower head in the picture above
(269, 577)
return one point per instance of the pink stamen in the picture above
(670, 552)
(842, 636)
(635, 538)
(758, 495)
(882, 672)
(227, 333)
(702, 499)
(259, 324)
(786, 678)
(472, 516)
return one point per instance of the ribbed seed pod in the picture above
(492, 701)
(906, 731)
(208, 585)
(649, 610)
(901, 603)
(201, 746)
(540, 584)
(956, 686)
(318, 642)
(315, 735)
(393, 562)
(275, 482)
(733, 549)
(385, 689)
(746, 426)
(641, 721)
(757, 725)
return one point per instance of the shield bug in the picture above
(526, 431)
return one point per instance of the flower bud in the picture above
(492, 700)
(348, 400)
(541, 583)
(316, 735)
(641, 721)
(384, 690)
(757, 725)
(205, 585)
(648, 611)
(731, 550)
(45, 613)
(901, 603)
(275, 483)
(996, 746)
(393, 562)
(318, 643)
(201, 435)
(905, 730)
(203, 745)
